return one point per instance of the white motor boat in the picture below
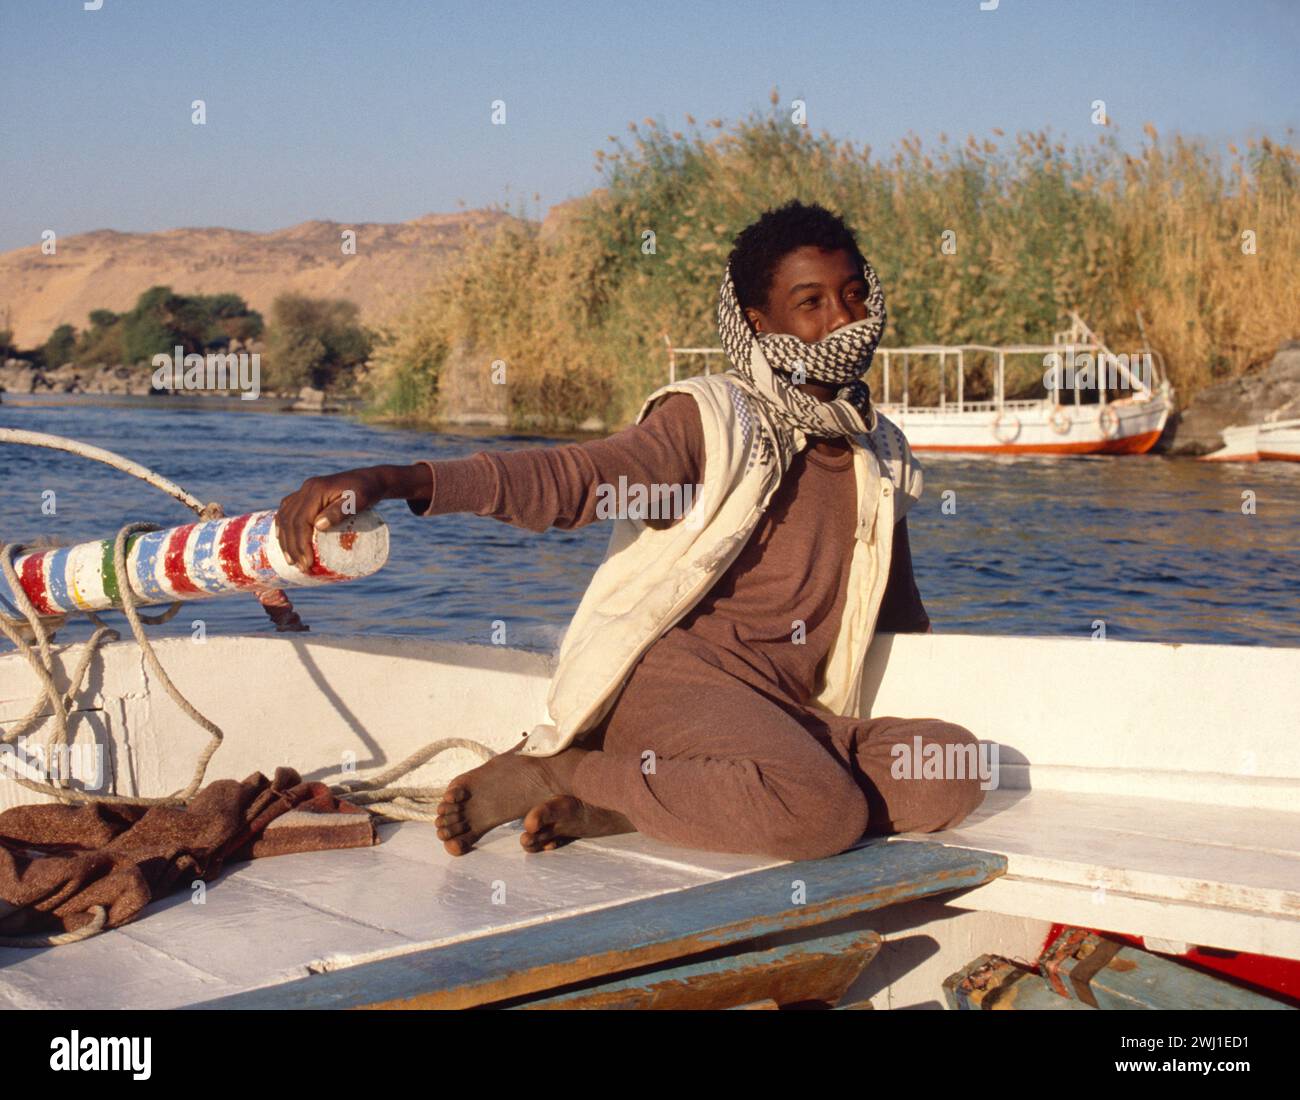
(1093, 401)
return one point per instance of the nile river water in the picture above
(1158, 549)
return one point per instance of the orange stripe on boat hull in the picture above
(1129, 445)
(1278, 456)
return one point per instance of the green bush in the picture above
(61, 347)
(102, 342)
(313, 341)
(161, 321)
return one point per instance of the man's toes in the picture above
(457, 847)
(450, 829)
(536, 839)
(534, 843)
(448, 804)
(539, 829)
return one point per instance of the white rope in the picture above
(96, 925)
(376, 793)
(98, 454)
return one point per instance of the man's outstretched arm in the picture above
(533, 487)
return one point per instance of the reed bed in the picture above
(988, 240)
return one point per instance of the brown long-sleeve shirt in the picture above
(771, 617)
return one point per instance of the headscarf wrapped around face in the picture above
(764, 362)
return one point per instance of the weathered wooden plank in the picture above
(594, 945)
(990, 983)
(821, 969)
(1101, 972)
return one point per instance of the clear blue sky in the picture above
(366, 110)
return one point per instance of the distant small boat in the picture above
(1059, 423)
(1277, 440)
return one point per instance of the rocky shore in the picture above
(1250, 399)
(22, 376)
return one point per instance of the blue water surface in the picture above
(1157, 548)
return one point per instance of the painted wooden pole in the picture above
(199, 561)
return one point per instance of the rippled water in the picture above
(1157, 549)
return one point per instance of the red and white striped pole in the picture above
(199, 561)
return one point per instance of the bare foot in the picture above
(563, 817)
(498, 791)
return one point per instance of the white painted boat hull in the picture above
(1130, 426)
(1117, 764)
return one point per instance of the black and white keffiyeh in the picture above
(764, 362)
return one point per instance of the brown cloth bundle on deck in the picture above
(59, 862)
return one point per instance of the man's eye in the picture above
(809, 301)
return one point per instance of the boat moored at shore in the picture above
(954, 397)
(1272, 441)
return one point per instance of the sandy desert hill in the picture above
(108, 270)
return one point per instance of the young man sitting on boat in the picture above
(707, 688)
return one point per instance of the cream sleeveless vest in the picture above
(652, 576)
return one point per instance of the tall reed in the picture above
(1207, 251)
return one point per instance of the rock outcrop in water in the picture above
(1250, 399)
(25, 377)
(21, 376)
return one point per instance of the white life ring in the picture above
(1060, 421)
(1108, 422)
(1006, 426)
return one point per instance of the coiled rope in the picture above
(30, 634)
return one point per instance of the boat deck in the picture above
(1186, 872)
(270, 922)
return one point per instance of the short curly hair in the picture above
(761, 246)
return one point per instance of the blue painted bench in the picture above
(700, 947)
